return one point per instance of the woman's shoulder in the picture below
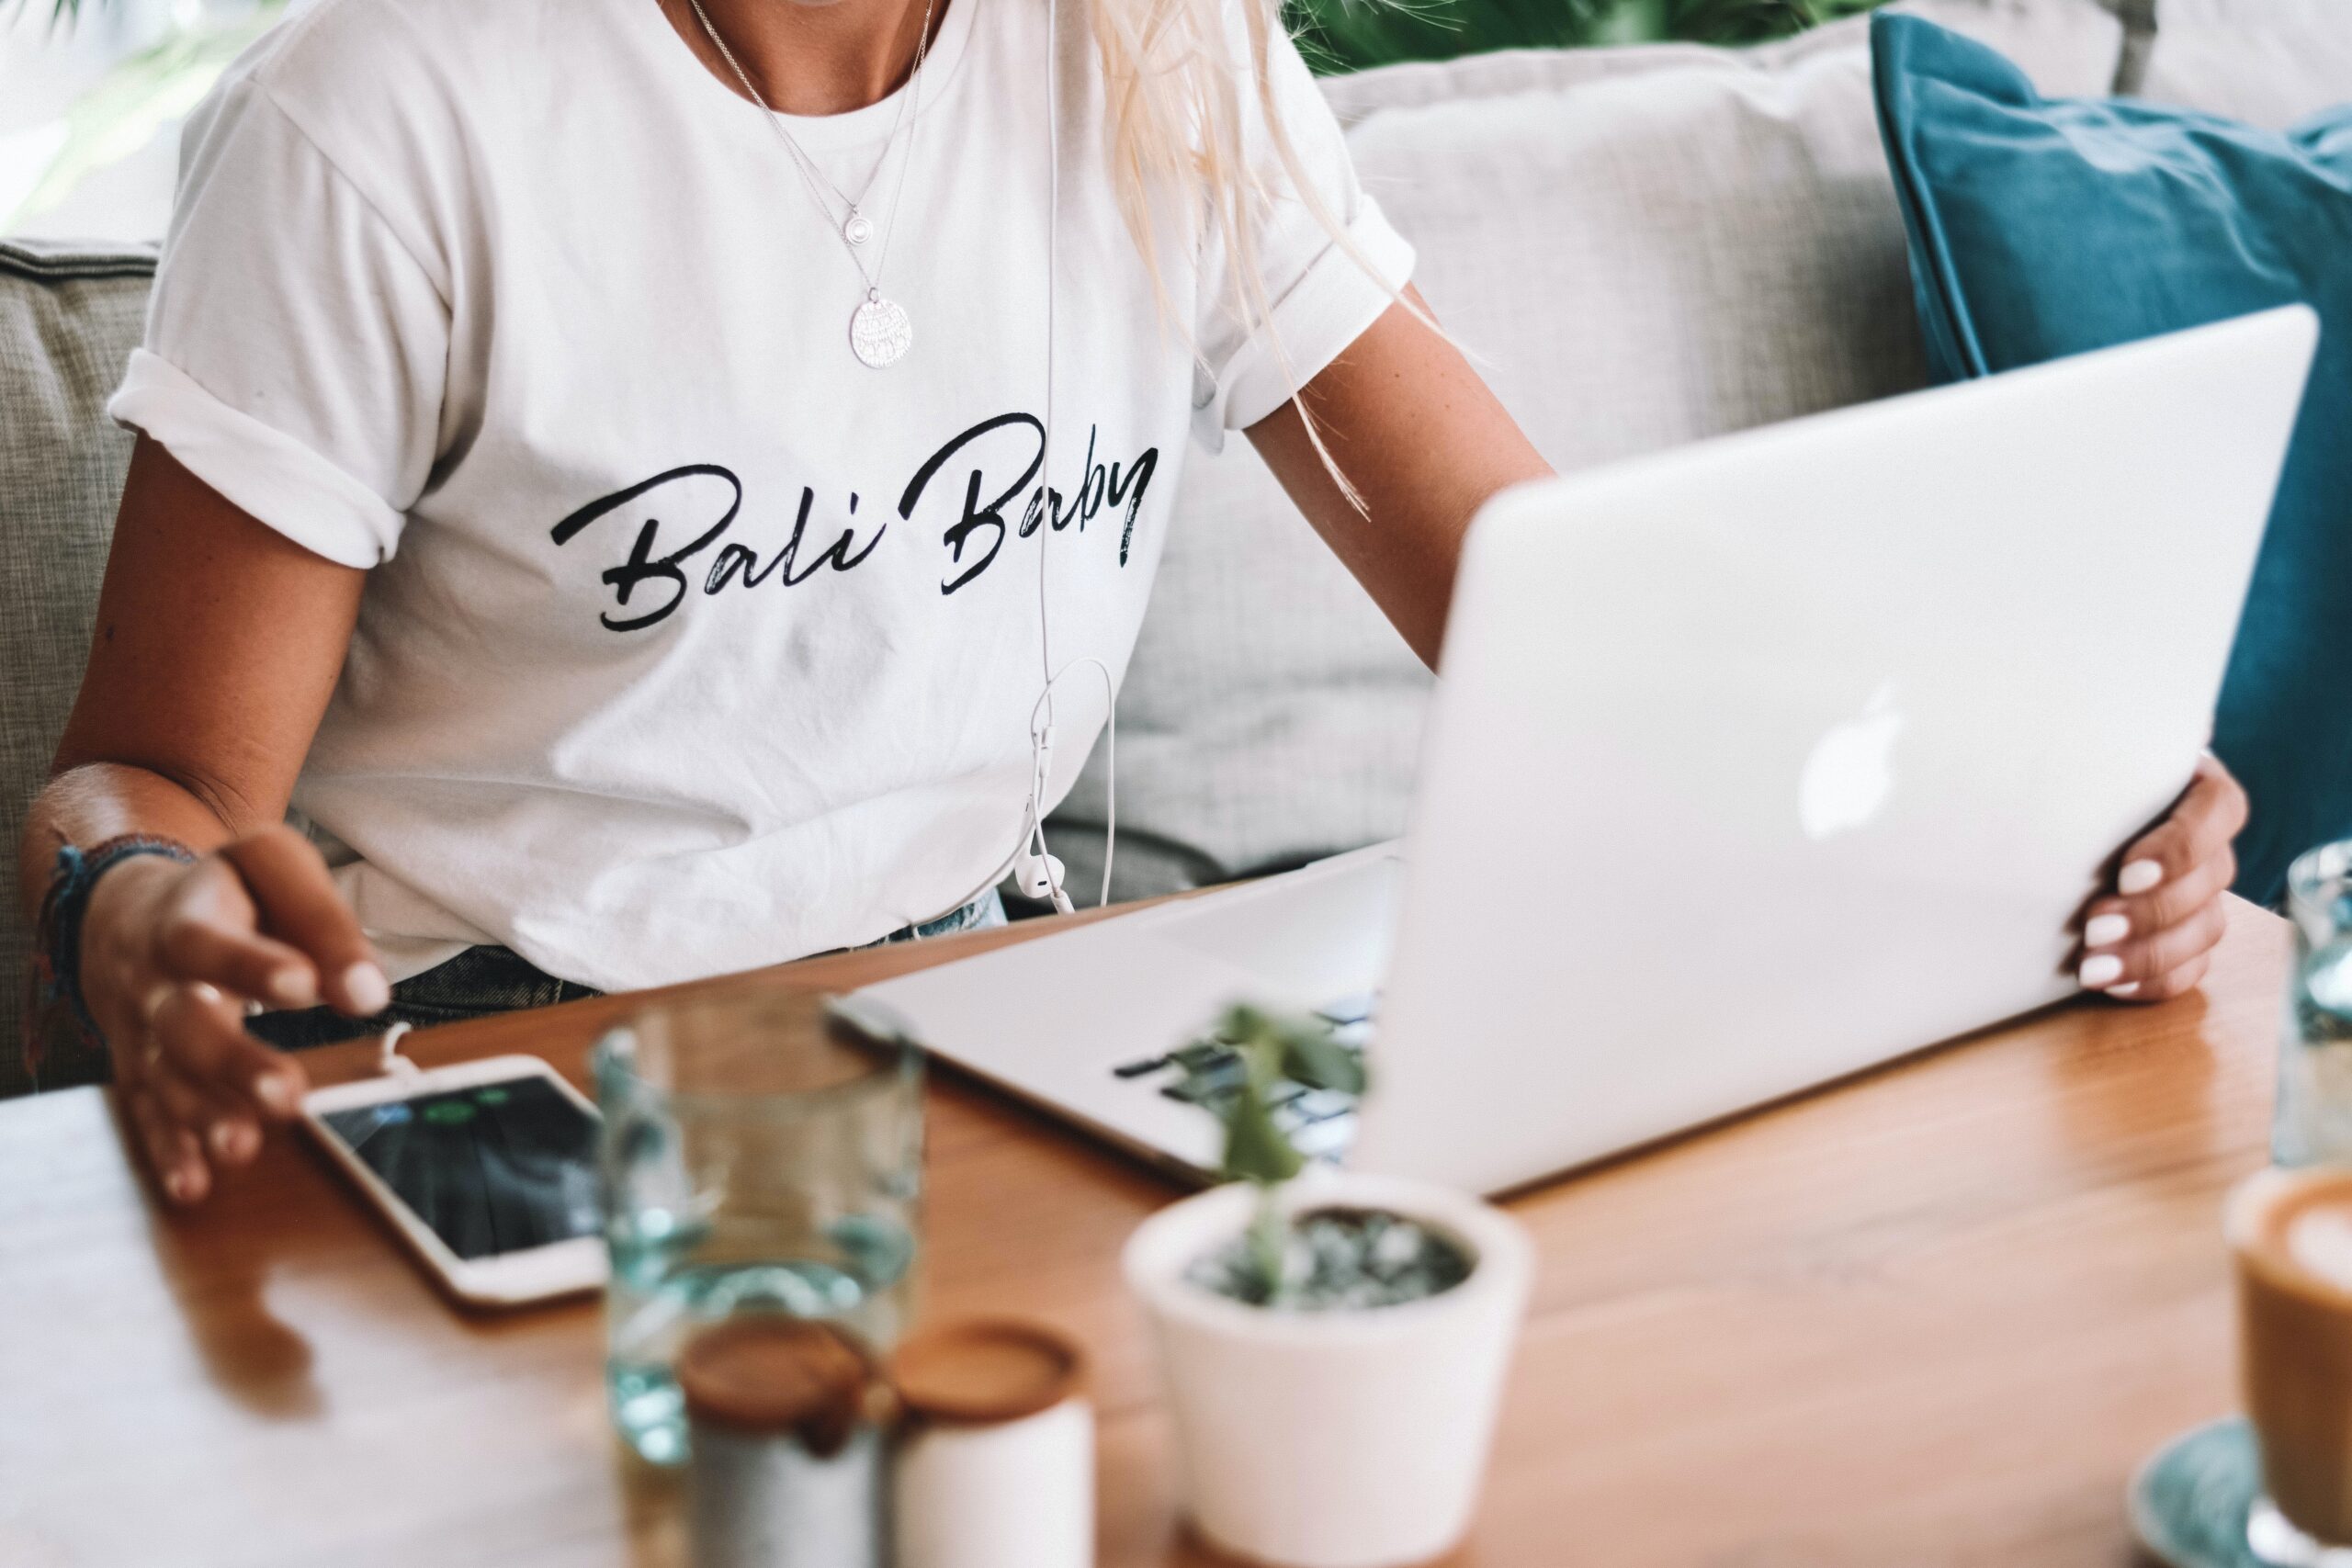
(403, 99)
(336, 47)
(357, 77)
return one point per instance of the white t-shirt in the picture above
(690, 643)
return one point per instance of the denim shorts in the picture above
(485, 980)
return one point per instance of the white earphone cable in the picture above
(1033, 846)
(1041, 739)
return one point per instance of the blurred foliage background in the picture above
(1349, 35)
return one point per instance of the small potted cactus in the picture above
(1333, 1344)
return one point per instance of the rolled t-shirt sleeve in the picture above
(1321, 289)
(297, 348)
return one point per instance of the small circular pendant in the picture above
(879, 333)
(857, 231)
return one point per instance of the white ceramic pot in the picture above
(1338, 1439)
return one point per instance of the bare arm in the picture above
(1425, 442)
(217, 646)
(218, 642)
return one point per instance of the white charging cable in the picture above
(389, 1060)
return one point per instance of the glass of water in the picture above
(2313, 1120)
(762, 1153)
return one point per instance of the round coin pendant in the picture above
(879, 333)
(857, 231)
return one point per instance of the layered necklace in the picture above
(879, 331)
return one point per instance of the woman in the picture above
(659, 489)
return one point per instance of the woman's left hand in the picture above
(2153, 938)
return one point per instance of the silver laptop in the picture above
(1752, 765)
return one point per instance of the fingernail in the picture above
(2128, 989)
(294, 988)
(153, 1002)
(2100, 972)
(181, 1186)
(369, 992)
(2139, 877)
(223, 1137)
(276, 1092)
(2106, 931)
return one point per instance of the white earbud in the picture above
(1039, 876)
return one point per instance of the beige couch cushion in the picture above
(1645, 247)
(2268, 62)
(68, 320)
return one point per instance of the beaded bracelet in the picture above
(57, 933)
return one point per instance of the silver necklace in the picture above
(879, 329)
(856, 229)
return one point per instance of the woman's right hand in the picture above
(171, 952)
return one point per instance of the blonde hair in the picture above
(1176, 129)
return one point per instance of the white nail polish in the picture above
(2128, 989)
(275, 1092)
(2101, 971)
(367, 988)
(2106, 931)
(2140, 876)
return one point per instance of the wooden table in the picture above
(1931, 1316)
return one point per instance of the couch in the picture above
(1645, 246)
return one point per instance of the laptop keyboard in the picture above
(1319, 1123)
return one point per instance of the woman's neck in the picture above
(811, 59)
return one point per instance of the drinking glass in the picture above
(762, 1153)
(2313, 1119)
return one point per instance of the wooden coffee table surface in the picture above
(1933, 1315)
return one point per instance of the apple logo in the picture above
(1851, 770)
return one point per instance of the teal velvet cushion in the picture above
(2042, 226)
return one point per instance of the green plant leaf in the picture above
(1255, 1149)
(1313, 1057)
(1233, 1074)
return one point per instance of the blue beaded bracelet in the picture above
(57, 946)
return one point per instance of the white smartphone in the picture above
(487, 1168)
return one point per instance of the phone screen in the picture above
(492, 1168)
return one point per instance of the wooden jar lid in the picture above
(985, 1371)
(777, 1375)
